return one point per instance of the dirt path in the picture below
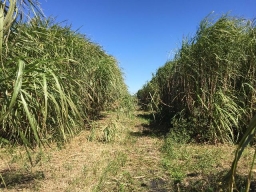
(129, 161)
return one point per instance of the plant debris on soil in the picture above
(129, 156)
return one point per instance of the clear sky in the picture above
(141, 34)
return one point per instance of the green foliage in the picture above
(53, 80)
(111, 169)
(110, 132)
(182, 159)
(146, 96)
(210, 84)
(229, 180)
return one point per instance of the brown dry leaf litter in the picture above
(131, 162)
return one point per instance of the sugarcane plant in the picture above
(8, 16)
(53, 82)
(248, 137)
(209, 87)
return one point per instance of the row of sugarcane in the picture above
(53, 80)
(209, 88)
(211, 81)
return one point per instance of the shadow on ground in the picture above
(212, 182)
(197, 182)
(152, 128)
(10, 178)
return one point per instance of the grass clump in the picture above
(110, 170)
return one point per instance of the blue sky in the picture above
(141, 34)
